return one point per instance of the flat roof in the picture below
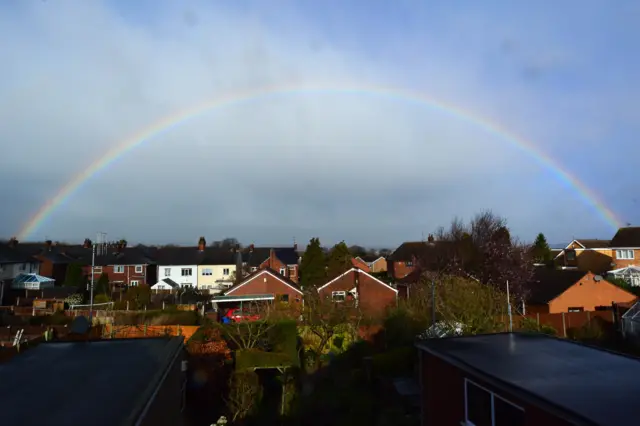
(593, 386)
(243, 298)
(104, 382)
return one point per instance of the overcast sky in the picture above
(78, 77)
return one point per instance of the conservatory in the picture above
(32, 282)
(630, 274)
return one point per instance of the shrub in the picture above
(531, 325)
(101, 298)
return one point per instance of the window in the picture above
(253, 269)
(283, 271)
(207, 271)
(409, 264)
(186, 272)
(134, 282)
(225, 271)
(23, 266)
(118, 269)
(624, 254)
(167, 272)
(571, 255)
(292, 271)
(33, 267)
(97, 269)
(138, 269)
(484, 408)
(338, 296)
(284, 298)
(576, 309)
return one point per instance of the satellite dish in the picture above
(80, 325)
(597, 278)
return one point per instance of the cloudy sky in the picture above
(346, 158)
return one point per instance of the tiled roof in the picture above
(286, 255)
(193, 256)
(547, 283)
(258, 272)
(627, 237)
(594, 243)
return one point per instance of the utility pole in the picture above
(93, 269)
(433, 302)
(509, 309)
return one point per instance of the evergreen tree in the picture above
(339, 260)
(312, 266)
(74, 276)
(541, 251)
(102, 286)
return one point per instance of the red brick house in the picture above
(360, 264)
(427, 255)
(371, 295)
(268, 285)
(524, 379)
(124, 267)
(555, 291)
(284, 260)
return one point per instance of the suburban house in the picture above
(356, 262)
(424, 254)
(264, 284)
(211, 269)
(284, 260)
(629, 274)
(524, 379)
(600, 256)
(556, 290)
(54, 261)
(370, 294)
(123, 265)
(14, 261)
(145, 380)
(374, 262)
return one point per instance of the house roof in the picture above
(557, 375)
(360, 271)
(128, 370)
(257, 255)
(591, 243)
(193, 256)
(406, 251)
(259, 272)
(15, 254)
(547, 283)
(627, 237)
(167, 281)
(371, 257)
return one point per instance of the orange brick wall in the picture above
(588, 293)
(401, 269)
(274, 263)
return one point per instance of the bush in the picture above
(101, 298)
(160, 317)
(531, 325)
(397, 361)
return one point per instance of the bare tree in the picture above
(252, 332)
(244, 394)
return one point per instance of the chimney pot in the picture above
(13, 242)
(202, 244)
(430, 239)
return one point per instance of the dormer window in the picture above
(571, 255)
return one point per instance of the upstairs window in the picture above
(284, 298)
(409, 264)
(118, 269)
(282, 271)
(138, 269)
(225, 271)
(338, 296)
(570, 254)
(624, 254)
(167, 272)
(207, 272)
(186, 272)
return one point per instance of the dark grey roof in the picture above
(193, 256)
(627, 237)
(589, 385)
(254, 257)
(591, 243)
(548, 283)
(79, 383)
(15, 254)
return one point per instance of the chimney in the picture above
(47, 245)
(87, 243)
(202, 243)
(272, 258)
(430, 239)
(13, 242)
(295, 246)
(238, 266)
(251, 247)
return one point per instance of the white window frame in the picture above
(118, 269)
(493, 395)
(186, 272)
(409, 264)
(139, 269)
(225, 271)
(338, 293)
(167, 272)
(283, 272)
(134, 283)
(97, 269)
(625, 254)
(253, 269)
(207, 272)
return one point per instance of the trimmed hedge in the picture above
(247, 359)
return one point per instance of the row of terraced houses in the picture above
(275, 270)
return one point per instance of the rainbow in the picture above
(172, 121)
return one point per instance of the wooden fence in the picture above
(142, 330)
(564, 321)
